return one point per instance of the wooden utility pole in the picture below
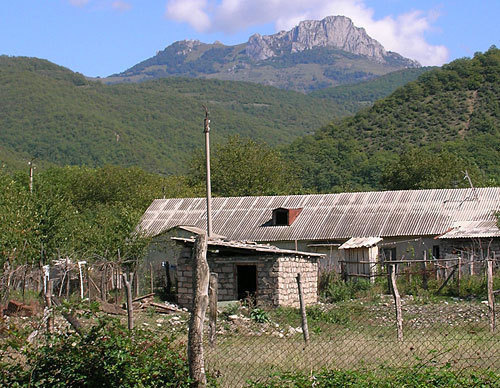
(397, 301)
(305, 329)
(128, 294)
(206, 130)
(201, 275)
(213, 297)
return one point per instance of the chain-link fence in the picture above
(356, 329)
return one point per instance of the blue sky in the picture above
(102, 37)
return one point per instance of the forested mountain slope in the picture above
(454, 109)
(354, 97)
(51, 113)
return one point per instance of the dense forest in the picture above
(424, 135)
(451, 113)
(55, 115)
(354, 97)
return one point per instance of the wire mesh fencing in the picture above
(356, 334)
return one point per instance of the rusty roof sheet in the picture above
(360, 242)
(472, 229)
(329, 216)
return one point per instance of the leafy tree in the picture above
(242, 167)
(421, 168)
(78, 211)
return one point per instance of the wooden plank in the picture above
(138, 299)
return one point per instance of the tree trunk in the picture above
(200, 302)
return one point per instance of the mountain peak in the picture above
(333, 31)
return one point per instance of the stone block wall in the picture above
(276, 278)
(287, 291)
(185, 278)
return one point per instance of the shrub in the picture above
(337, 316)
(107, 355)
(258, 315)
(334, 289)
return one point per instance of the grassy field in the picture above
(444, 335)
(356, 335)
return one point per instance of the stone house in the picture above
(262, 272)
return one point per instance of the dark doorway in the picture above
(389, 254)
(246, 278)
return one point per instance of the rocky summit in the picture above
(333, 31)
(313, 55)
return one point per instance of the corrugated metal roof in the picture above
(360, 242)
(473, 229)
(268, 249)
(329, 216)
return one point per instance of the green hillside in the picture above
(354, 97)
(453, 110)
(51, 113)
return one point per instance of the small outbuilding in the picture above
(264, 273)
(360, 257)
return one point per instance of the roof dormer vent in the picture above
(284, 216)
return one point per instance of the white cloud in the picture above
(193, 12)
(121, 6)
(404, 33)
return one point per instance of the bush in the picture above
(108, 355)
(258, 315)
(334, 289)
(318, 314)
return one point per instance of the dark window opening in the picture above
(281, 217)
(389, 254)
(246, 280)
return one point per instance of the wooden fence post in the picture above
(397, 301)
(201, 276)
(128, 293)
(104, 279)
(48, 301)
(491, 299)
(213, 297)
(151, 277)
(305, 329)
(424, 272)
(136, 281)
